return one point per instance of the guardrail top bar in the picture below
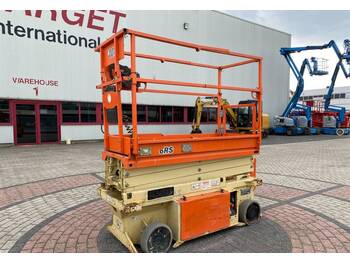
(224, 51)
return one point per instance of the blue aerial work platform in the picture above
(341, 120)
(296, 119)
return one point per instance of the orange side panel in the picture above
(204, 214)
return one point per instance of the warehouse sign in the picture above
(93, 19)
(33, 81)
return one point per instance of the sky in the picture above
(308, 28)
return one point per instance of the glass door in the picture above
(48, 123)
(25, 124)
(36, 122)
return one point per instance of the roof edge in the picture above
(251, 22)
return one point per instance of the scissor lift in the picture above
(167, 189)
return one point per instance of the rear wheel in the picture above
(249, 212)
(156, 238)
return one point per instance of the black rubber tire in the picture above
(154, 232)
(289, 132)
(249, 212)
(340, 132)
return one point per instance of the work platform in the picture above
(175, 186)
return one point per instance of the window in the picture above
(178, 114)
(127, 114)
(70, 112)
(212, 114)
(4, 111)
(167, 113)
(336, 96)
(141, 113)
(204, 116)
(153, 114)
(190, 114)
(88, 112)
(342, 95)
(112, 116)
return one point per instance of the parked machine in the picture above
(239, 119)
(167, 189)
(211, 102)
(334, 120)
(296, 119)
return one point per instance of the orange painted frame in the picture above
(203, 146)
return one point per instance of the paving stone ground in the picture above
(48, 200)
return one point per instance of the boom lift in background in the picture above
(166, 189)
(296, 119)
(334, 120)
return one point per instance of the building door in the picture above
(25, 124)
(48, 123)
(36, 122)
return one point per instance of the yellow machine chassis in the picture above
(127, 192)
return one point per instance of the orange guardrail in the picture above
(143, 150)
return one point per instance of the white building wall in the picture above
(80, 132)
(319, 93)
(77, 69)
(6, 135)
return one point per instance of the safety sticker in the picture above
(204, 185)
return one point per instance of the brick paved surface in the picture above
(338, 210)
(278, 192)
(48, 200)
(294, 182)
(17, 220)
(14, 194)
(308, 232)
(19, 165)
(325, 160)
(341, 192)
(75, 231)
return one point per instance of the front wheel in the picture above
(340, 132)
(156, 238)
